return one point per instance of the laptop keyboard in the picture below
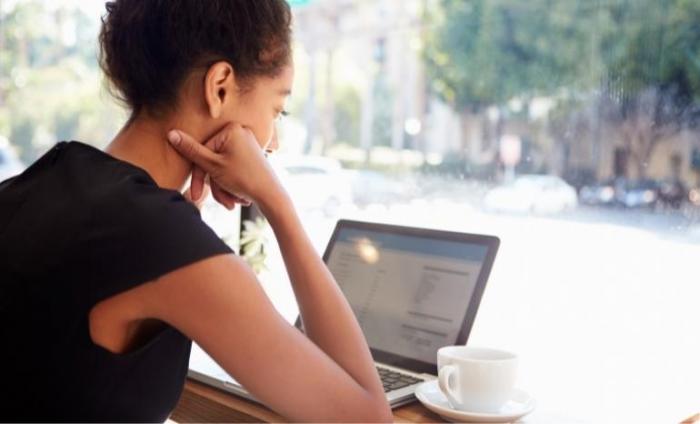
(394, 380)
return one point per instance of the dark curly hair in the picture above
(149, 47)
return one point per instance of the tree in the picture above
(49, 86)
(484, 53)
(634, 64)
(654, 83)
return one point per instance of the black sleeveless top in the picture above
(79, 226)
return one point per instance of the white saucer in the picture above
(519, 405)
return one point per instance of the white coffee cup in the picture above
(476, 379)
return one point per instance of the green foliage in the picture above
(486, 52)
(22, 132)
(653, 77)
(347, 116)
(684, 42)
(661, 50)
(382, 120)
(635, 63)
(253, 242)
(50, 83)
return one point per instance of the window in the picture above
(569, 129)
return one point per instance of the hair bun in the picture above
(148, 47)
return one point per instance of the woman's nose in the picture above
(273, 145)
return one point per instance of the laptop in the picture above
(413, 291)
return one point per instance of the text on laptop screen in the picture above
(410, 294)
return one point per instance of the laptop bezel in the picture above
(492, 244)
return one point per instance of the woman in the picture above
(107, 273)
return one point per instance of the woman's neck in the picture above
(143, 143)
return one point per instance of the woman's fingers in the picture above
(198, 203)
(223, 197)
(197, 182)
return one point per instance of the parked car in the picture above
(672, 193)
(598, 194)
(637, 194)
(532, 193)
(373, 187)
(314, 182)
(10, 165)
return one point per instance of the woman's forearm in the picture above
(327, 317)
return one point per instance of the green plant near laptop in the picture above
(253, 242)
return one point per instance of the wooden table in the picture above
(204, 404)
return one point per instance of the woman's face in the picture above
(260, 106)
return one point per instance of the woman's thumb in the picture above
(192, 150)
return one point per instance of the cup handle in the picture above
(444, 375)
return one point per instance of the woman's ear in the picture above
(219, 87)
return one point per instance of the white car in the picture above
(541, 194)
(372, 187)
(315, 183)
(10, 165)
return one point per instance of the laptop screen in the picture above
(410, 293)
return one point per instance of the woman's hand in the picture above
(200, 201)
(235, 163)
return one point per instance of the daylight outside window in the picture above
(569, 129)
